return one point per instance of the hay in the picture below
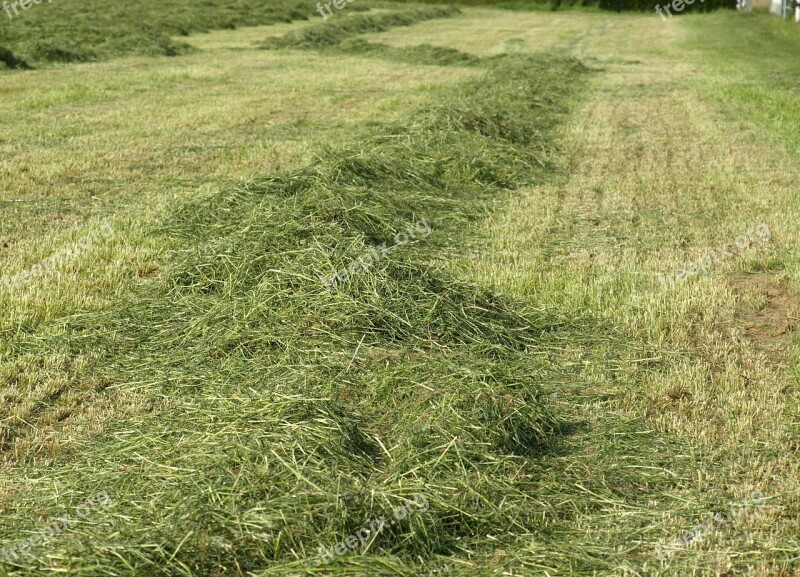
(334, 32)
(10, 60)
(297, 414)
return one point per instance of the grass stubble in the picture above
(666, 157)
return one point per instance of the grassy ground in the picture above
(68, 31)
(669, 157)
(521, 368)
(135, 135)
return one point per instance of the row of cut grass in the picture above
(287, 416)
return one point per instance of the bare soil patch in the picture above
(767, 310)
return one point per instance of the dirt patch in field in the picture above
(767, 311)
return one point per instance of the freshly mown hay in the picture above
(335, 31)
(421, 54)
(9, 60)
(70, 31)
(290, 415)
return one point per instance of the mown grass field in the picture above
(520, 370)
(100, 29)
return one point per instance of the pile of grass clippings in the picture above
(88, 30)
(335, 31)
(420, 54)
(9, 60)
(288, 415)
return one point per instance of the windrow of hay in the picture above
(337, 30)
(10, 60)
(293, 414)
(86, 30)
(420, 54)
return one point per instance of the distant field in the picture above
(515, 391)
(69, 31)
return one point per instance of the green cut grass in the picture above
(84, 30)
(287, 416)
(334, 32)
(519, 367)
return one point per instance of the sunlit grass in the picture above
(521, 367)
